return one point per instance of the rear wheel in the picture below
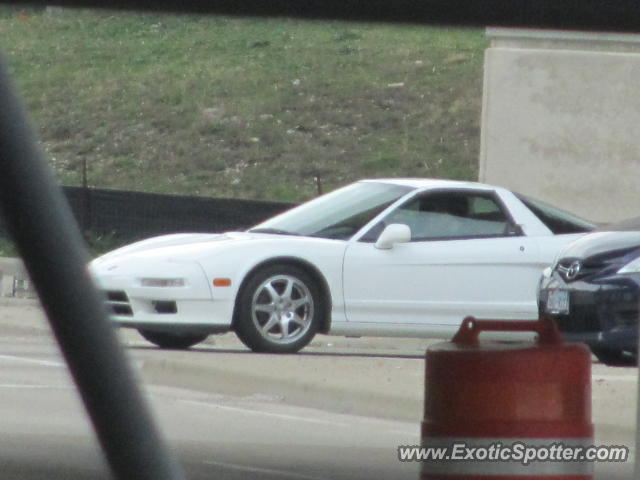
(279, 310)
(615, 358)
(178, 341)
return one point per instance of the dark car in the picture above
(593, 292)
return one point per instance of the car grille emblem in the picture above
(571, 271)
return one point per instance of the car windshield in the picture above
(339, 214)
(557, 220)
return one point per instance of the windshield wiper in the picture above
(275, 231)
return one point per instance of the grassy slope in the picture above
(246, 108)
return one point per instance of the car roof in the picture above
(431, 183)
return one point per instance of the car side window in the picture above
(449, 215)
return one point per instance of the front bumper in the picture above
(603, 312)
(185, 309)
(163, 313)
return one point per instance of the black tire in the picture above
(174, 341)
(615, 358)
(300, 311)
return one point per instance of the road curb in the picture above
(324, 391)
(25, 324)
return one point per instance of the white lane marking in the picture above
(45, 363)
(279, 473)
(266, 414)
(615, 378)
(413, 433)
(22, 385)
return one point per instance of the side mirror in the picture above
(392, 234)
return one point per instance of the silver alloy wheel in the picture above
(282, 309)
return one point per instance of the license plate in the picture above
(558, 302)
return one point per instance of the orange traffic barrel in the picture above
(507, 410)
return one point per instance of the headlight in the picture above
(631, 267)
(163, 282)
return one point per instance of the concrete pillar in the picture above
(6, 285)
(561, 119)
(14, 280)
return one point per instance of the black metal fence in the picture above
(134, 215)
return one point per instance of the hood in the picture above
(166, 246)
(601, 242)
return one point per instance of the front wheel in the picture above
(177, 341)
(279, 310)
(615, 358)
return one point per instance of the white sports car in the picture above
(402, 257)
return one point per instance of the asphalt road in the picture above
(337, 411)
(44, 432)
